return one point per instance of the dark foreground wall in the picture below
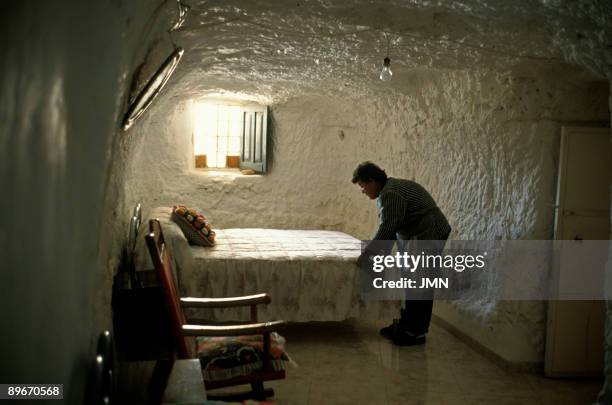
(63, 74)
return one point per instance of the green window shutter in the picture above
(254, 138)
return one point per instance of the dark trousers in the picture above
(416, 314)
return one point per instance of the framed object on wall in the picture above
(152, 88)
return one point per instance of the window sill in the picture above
(224, 173)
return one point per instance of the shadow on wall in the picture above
(271, 141)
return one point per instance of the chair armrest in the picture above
(231, 330)
(256, 299)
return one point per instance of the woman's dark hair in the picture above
(368, 171)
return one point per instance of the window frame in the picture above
(253, 145)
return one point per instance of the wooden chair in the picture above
(184, 334)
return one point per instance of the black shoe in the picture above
(389, 331)
(405, 338)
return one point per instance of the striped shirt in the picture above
(406, 211)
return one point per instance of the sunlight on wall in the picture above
(217, 132)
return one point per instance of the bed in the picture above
(310, 274)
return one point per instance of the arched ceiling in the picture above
(273, 49)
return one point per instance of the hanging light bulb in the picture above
(386, 73)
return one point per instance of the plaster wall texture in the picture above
(484, 143)
(61, 93)
(63, 79)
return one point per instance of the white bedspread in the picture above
(310, 274)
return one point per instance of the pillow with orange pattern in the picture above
(194, 225)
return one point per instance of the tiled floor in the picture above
(348, 363)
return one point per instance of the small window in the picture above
(230, 136)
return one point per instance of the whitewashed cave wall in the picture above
(484, 143)
(61, 93)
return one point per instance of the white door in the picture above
(575, 329)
